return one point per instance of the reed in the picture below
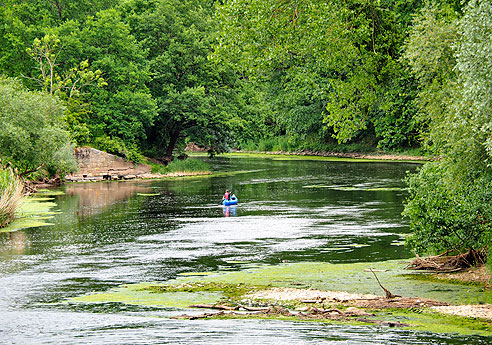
(11, 192)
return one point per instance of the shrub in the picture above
(448, 215)
(11, 188)
(32, 130)
(117, 147)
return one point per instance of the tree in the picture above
(33, 134)
(429, 53)
(124, 108)
(45, 52)
(336, 59)
(474, 65)
(185, 84)
(449, 202)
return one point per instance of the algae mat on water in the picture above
(34, 211)
(233, 286)
(145, 295)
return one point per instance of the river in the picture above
(108, 234)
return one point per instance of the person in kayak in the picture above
(227, 195)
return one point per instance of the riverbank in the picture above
(353, 155)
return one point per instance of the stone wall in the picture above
(95, 165)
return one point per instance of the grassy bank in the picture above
(322, 156)
(188, 165)
(11, 190)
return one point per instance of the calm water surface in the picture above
(108, 234)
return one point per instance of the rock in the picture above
(95, 165)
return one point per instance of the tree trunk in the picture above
(172, 142)
(58, 7)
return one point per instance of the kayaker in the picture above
(227, 195)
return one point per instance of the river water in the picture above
(108, 234)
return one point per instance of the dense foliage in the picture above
(449, 204)
(138, 77)
(33, 134)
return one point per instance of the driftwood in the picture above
(389, 295)
(445, 263)
(214, 306)
(310, 313)
(248, 308)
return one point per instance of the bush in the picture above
(11, 188)
(32, 131)
(447, 215)
(117, 147)
(266, 145)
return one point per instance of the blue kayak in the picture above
(232, 201)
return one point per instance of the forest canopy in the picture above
(147, 77)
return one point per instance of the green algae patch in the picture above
(234, 288)
(50, 192)
(434, 278)
(354, 278)
(34, 211)
(279, 156)
(213, 174)
(427, 321)
(357, 189)
(195, 273)
(149, 295)
(227, 291)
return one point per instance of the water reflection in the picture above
(94, 198)
(229, 211)
(13, 243)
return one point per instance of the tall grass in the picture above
(11, 191)
(187, 165)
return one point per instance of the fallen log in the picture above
(213, 306)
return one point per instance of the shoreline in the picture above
(355, 155)
(320, 155)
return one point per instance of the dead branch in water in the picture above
(310, 313)
(444, 263)
(388, 292)
(213, 306)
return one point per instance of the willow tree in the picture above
(449, 203)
